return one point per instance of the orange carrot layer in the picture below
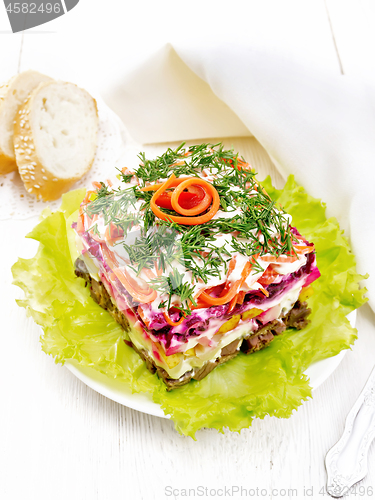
(80, 221)
(218, 301)
(171, 322)
(140, 294)
(304, 248)
(279, 260)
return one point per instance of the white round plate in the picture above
(119, 392)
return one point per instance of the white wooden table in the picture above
(61, 440)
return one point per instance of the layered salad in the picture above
(193, 259)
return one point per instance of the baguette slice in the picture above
(55, 138)
(12, 95)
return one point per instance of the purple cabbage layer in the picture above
(198, 321)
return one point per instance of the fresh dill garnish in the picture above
(173, 285)
(115, 207)
(126, 178)
(103, 191)
(150, 247)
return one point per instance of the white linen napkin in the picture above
(318, 126)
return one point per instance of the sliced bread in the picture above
(55, 138)
(12, 95)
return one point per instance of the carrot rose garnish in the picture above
(210, 197)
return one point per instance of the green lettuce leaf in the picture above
(269, 382)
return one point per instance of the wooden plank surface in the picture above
(60, 439)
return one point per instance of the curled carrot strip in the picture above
(304, 248)
(171, 322)
(299, 249)
(279, 260)
(218, 301)
(192, 188)
(269, 276)
(148, 273)
(237, 299)
(81, 221)
(143, 317)
(232, 265)
(242, 165)
(113, 233)
(87, 197)
(143, 295)
(110, 257)
(223, 299)
(203, 204)
(126, 171)
(189, 221)
(268, 258)
(159, 270)
(138, 293)
(232, 304)
(227, 286)
(240, 297)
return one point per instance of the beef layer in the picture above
(296, 318)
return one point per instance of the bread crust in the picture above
(35, 176)
(7, 163)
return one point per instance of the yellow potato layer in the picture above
(173, 360)
(190, 352)
(230, 324)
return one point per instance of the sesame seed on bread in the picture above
(12, 95)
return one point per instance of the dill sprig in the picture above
(173, 284)
(115, 207)
(185, 161)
